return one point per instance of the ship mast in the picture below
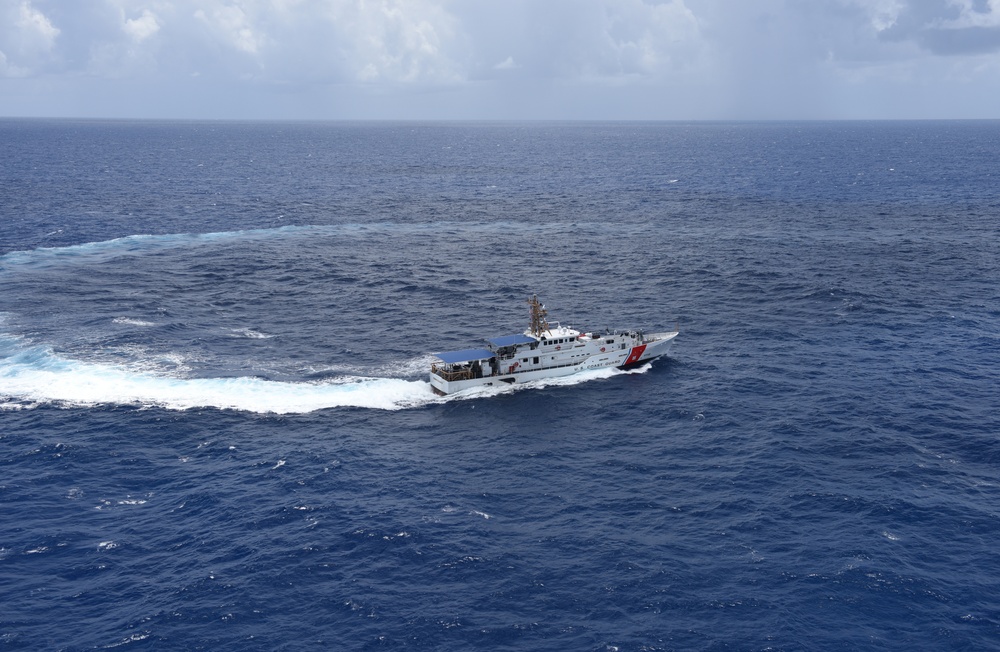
(538, 313)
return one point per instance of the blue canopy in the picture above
(511, 340)
(466, 355)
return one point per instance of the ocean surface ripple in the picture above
(216, 430)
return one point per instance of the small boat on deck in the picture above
(544, 351)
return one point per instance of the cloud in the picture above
(443, 42)
(506, 64)
(141, 28)
(568, 41)
(977, 13)
(274, 41)
(976, 30)
(321, 41)
(400, 41)
(524, 58)
(961, 41)
(231, 26)
(946, 27)
(35, 23)
(27, 38)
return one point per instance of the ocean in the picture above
(216, 430)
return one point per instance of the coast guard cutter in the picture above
(544, 351)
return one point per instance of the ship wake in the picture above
(35, 375)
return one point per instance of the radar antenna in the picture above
(538, 313)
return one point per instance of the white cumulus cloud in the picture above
(141, 28)
(232, 26)
(27, 38)
(976, 13)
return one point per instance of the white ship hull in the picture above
(560, 352)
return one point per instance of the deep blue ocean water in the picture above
(216, 431)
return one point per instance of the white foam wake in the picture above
(33, 375)
(36, 375)
(141, 244)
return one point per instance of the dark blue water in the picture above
(216, 432)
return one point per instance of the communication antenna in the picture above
(538, 312)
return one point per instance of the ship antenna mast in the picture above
(538, 313)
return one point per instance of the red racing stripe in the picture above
(635, 354)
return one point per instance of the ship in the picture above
(544, 350)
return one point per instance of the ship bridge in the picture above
(512, 340)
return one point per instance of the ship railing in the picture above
(452, 374)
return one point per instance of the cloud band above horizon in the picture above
(562, 59)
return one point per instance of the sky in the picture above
(501, 59)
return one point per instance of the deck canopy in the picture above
(512, 340)
(465, 355)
